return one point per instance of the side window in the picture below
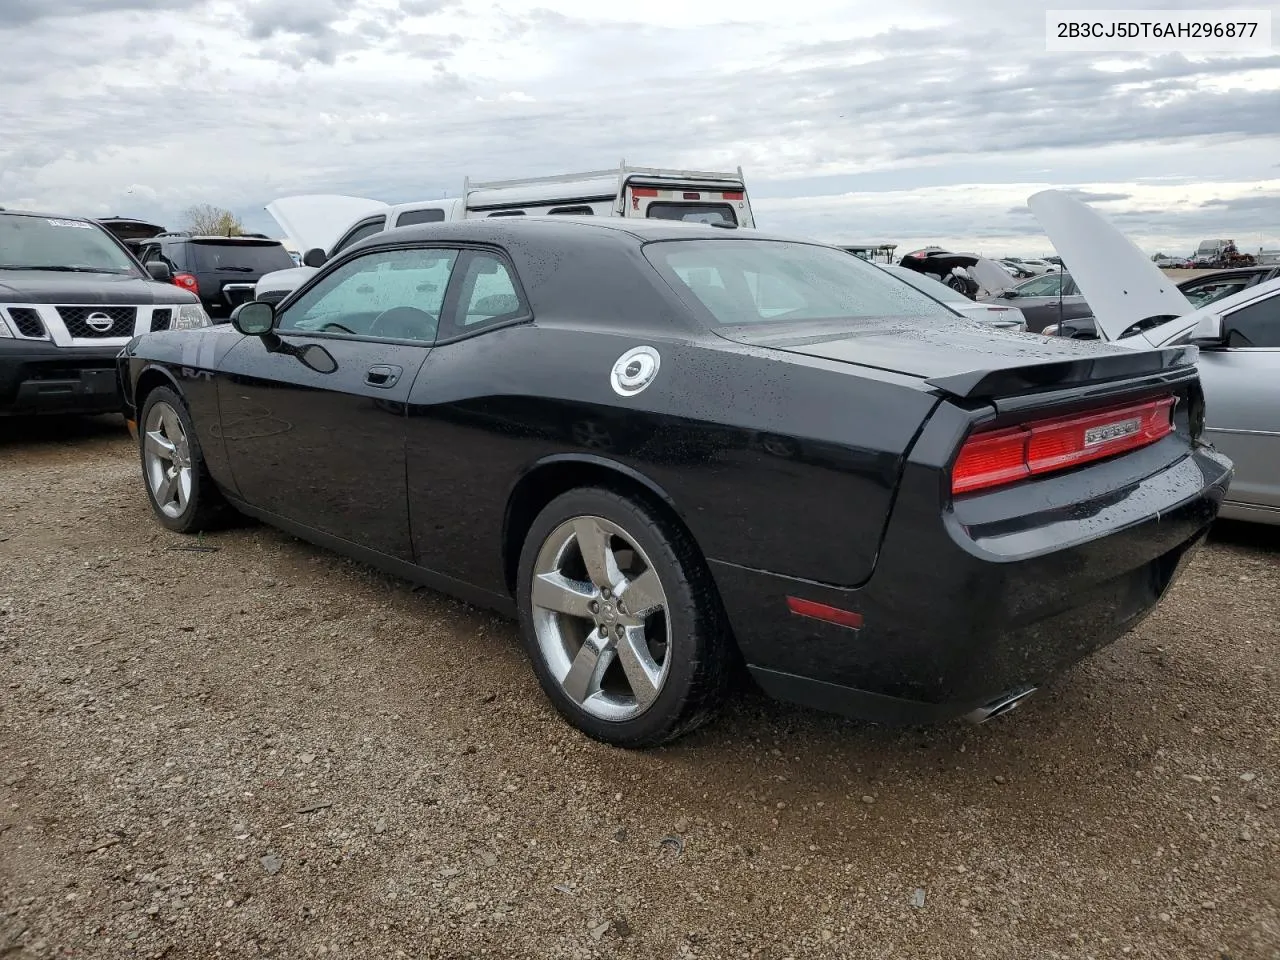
(1045, 286)
(383, 295)
(487, 293)
(420, 216)
(359, 233)
(507, 213)
(579, 211)
(174, 255)
(1257, 325)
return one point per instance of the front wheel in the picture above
(181, 492)
(621, 619)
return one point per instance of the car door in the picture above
(1242, 399)
(313, 415)
(1038, 301)
(454, 477)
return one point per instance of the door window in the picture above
(383, 295)
(1256, 325)
(1045, 286)
(359, 233)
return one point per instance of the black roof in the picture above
(560, 229)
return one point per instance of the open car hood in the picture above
(319, 219)
(1127, 293)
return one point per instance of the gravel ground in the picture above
(260, 749)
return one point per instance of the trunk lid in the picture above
(962, 359)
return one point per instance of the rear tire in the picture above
(178, 484)
(621, 619)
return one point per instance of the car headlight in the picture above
(4, 327)
(191, 316)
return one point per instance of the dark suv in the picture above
(221, 271)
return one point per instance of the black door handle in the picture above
(383, 375)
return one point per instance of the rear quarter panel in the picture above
(781, 465)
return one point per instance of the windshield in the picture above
(239, 256)
(760, 281)
(48, 243)
(926, 284)
(1208, 293)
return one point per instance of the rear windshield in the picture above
(50, 243)
(772, 281)
(237, 256)
(693, 212)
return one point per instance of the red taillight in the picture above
(996, 457)
(644, 192)
(732, 194)
(187, 282)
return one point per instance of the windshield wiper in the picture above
(57, 267)
(238, 269)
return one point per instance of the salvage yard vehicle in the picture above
(221, 271)
(968, 274)
(1200, 292)
(1233, 317)
(1009, 318)
(70, 297)
(1048, 299)
(791, 429)
(326, 225)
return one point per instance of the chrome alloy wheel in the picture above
(600, 616)
(167, 455)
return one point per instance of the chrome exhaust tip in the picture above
(1001, 704)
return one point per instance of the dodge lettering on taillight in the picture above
(1111, 431)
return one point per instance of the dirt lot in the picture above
(259, 749)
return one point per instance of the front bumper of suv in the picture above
(39, 377)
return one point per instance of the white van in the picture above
(324, 225)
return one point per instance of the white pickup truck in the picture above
(323, 225)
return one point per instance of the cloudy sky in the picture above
(927, 121)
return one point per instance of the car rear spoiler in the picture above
(1166, 365)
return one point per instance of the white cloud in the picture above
(851, 120)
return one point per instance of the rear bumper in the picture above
(962, 610)
(42, 378)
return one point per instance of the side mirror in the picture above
(1009, 294)
(253, 319)
(159, 270)
(315, 257)
(1208, 331)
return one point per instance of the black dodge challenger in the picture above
(665, 446)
